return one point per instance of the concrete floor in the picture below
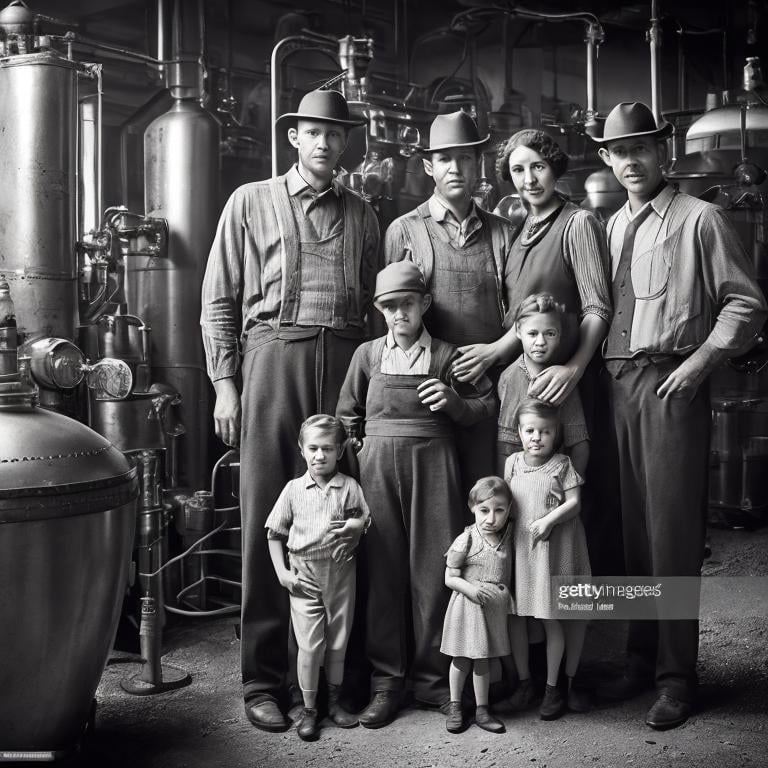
(202, 726)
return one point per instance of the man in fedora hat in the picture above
(288, 284)
(685, 299)
(462, 251)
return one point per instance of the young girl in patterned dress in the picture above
(478, 570)
(549, 541)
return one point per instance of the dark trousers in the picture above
(285, 380)
(663, 449)
(412, 488)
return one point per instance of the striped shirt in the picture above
(304, 511)
(322, 209)
(691, 277)
(585, 253)
(244, 285)
(412, 362)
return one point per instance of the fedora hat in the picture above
(325, 106)
(629, 120)
(456, 129)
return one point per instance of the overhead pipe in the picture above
(654, 39)
(595, 36)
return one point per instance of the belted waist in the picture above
(617, 367)
(408, 428)
(261, 333)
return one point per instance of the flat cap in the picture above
(399, 277)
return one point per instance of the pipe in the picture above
(654, 39)
(595, 36)
(162, 36)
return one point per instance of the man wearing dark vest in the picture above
(685, 299)
(461, 250)
(287, 287)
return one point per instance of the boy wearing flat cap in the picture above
(399, 399)
(462, 251)
(289, 277)
(685, 299)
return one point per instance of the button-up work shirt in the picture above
(244, 283)
(323, 209)
(304, 511)
(460, 232)
(691, 277)
(414, 361)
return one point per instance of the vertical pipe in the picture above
(273, 103)
(99, 138)
(162, 34)
(654, 39)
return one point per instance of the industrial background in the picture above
(124, 127)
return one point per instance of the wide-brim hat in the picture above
(456, 129)
(631, 120)
(325, 106)
(399, 277)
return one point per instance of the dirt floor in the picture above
(203, 725)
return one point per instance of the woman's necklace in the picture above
(536, 225)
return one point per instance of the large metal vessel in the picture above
(67, 517)
(181, 156)
(38, 143)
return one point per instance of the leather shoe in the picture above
(266, 715)
(336, 712)
(485, 720)
(522, 698)
(623, 688)
(381, 710)
(454, 721)
(553, 704)
(579, 700)
(667, 712)
(307, 725)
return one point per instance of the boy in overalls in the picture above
(399, 399)
(462, 251)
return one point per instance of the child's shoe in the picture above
(521, 699)
(553, 704)
(307, 725)
(579, 700)
(485, 720)
(336, 712)
(454, 722)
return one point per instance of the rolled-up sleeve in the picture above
(222, 293)
(730, 282)
(586, 252)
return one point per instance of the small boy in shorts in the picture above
(319, 517)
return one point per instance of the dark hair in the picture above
(486, 487)
(325, 423)
(539, 142)
(537, 408)
(538, 303)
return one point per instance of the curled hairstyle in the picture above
(539, 142)
(325, 423)
(486, 487)
(538, 303)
